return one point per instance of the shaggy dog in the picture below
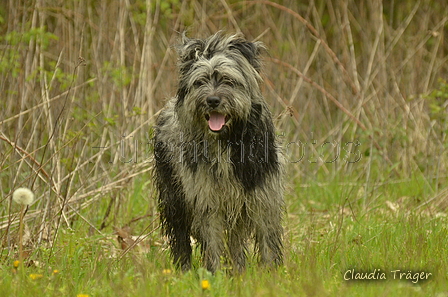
(218, 169)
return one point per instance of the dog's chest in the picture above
(213, 186)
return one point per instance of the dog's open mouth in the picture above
(216, 121)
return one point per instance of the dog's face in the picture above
(219, 81)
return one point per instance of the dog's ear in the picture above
(250, 50)
(189, 50)
(256, 111)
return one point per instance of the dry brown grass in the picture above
(87, 74)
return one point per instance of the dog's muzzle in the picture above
(216, 120)
(213, 101)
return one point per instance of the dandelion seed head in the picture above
(23, 196)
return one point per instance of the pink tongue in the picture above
(216, 121)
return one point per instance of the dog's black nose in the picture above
(213, 101)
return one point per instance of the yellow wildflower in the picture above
(82, 295)
(55, 271)
(16, 263)
(166, 271)
(205, 285)
(35, 276)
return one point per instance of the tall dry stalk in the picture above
(346, 71)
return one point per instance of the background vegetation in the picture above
(360, 95)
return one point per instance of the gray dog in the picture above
(218, 169)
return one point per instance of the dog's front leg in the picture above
(210, 229)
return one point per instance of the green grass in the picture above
(323, 240)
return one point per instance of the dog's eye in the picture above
(199, 83)
(232, 83)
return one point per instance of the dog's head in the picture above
(219, 81)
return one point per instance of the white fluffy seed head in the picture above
(23, 196)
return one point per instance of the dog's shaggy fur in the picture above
(217, 166)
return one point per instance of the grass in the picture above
(359, 94)
(327, 233)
